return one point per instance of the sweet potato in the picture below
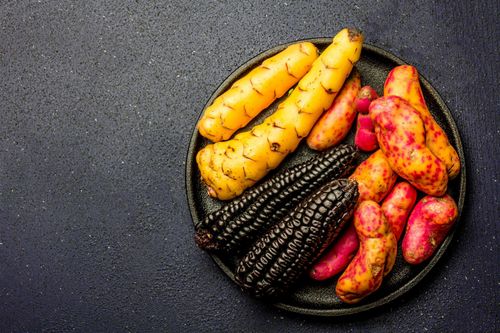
(229, 167)
(375, 177)
(336, 122)
(428, 224)
(401, 136)
(365, 138)
(398, 205)
(403, 81)
(375, 257)
(337, 257)
(255, 91)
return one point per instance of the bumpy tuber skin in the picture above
(255, 91)
(365, 96)
(428, 224)
(375, 257)
(229, 167)
(338, 257)
(365, 138)
(401, 136)
(398, 205)
(403, 81)
(375, 177)
(336, 122)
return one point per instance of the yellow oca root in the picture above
(229, 167)
(255, 91)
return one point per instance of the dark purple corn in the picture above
(279, 257)
(240, 222)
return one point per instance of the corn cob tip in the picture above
(203, 239)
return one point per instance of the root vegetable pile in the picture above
(229, 167)
(328, 217)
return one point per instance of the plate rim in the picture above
(190, 174)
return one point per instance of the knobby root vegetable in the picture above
(375, 257)
(365, 138)
(228, 168)
(255, 91)
(398, 205)
(401, 136)
(375, 177)
(365, 96)
(337, 257)
(336, 122)
(403, 81)
(429, 223)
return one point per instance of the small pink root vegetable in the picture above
(428, 224)
(364, 98)
(398, 205)
(365, 138)
(338, 257)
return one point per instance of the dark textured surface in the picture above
(98, 103)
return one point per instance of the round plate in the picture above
(318, 298)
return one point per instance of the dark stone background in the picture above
(98, 100)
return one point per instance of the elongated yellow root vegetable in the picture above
(230, 167)
(255, 91)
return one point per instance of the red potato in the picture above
(338, 257)
(375, 177)
(335, 123)
(365, 138)
(398, 205)
(401, 136)
(428, 224)
(375, 257)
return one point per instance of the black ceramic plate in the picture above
(318, 298)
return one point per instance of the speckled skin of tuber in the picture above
(398, 205)
(429, 223)
(401, 136)
(227, 168)
(255, 91)
(336, 122)
(375, 177)
(375, 257)
(403, 81)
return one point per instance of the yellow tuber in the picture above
(229, 167)
(255, 91)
